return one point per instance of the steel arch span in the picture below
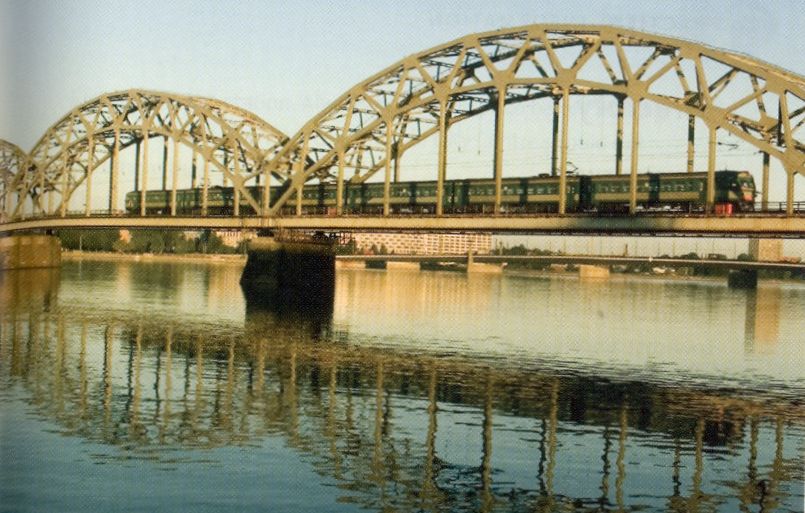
(368, 128)
(12, 166)
(226, 138)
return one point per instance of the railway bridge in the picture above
(138, 141)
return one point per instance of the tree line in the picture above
(146, 241)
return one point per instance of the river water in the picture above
(131, 386)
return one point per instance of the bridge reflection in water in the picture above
(396, 429)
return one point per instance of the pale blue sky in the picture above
(286, 61)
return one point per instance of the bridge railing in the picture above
(780, 206)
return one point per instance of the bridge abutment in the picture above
(29, 252)
(288, 272)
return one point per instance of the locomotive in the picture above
(687, 192)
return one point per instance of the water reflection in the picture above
(397, 428)
(762, 319)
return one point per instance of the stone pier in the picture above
(293, 272)
(742, 279)
(474, 267)
(593, 272)
(29, 252)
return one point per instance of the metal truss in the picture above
(12, 160)
(372, 125)
(224, 137)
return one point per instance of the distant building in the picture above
(424, 243)
(234, 237)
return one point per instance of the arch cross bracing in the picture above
(12, 161)
(224, 137)
(369, 127)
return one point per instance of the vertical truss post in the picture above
(165, 163)
(387, 179)
(397, 157)
(206, 155)
(339, 185)
(266, 199)
(115, 178)
(225, 180)
(563, 150)
(175, 177)
(498, 172)
(144, 177)
(236, 183)
(634, 154)
(64, 196)
(691, 137)
(299, 195)
(111, 180)
(50, 201)
(41, 190)
(206, 186)
(619, 138)
(764, 202)
(555, 139)
(301, 170)
(193, 167)
(711, 169)
(442, 171)
(137, 165)
(90, 163)
(789, 193)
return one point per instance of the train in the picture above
(734, 192)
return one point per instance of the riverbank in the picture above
(151, 257)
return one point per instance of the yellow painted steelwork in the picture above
(381, 118)
(424, 94)
(226, 137)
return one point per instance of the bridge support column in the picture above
(742, 279)
(288, 272)
(29, 252)
(593, 272)
(766, 250)
(474, 267)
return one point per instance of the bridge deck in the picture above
(586, 259)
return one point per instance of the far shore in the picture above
(154, 257)
(215, 258)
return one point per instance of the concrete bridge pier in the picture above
(474, 267)
(593, 272)
(742, 279)
(29, 252)
(289, 273)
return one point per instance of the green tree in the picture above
(89, 240)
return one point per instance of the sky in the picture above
(286, 61)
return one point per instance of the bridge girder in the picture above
(379, 119)
(94, 132)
